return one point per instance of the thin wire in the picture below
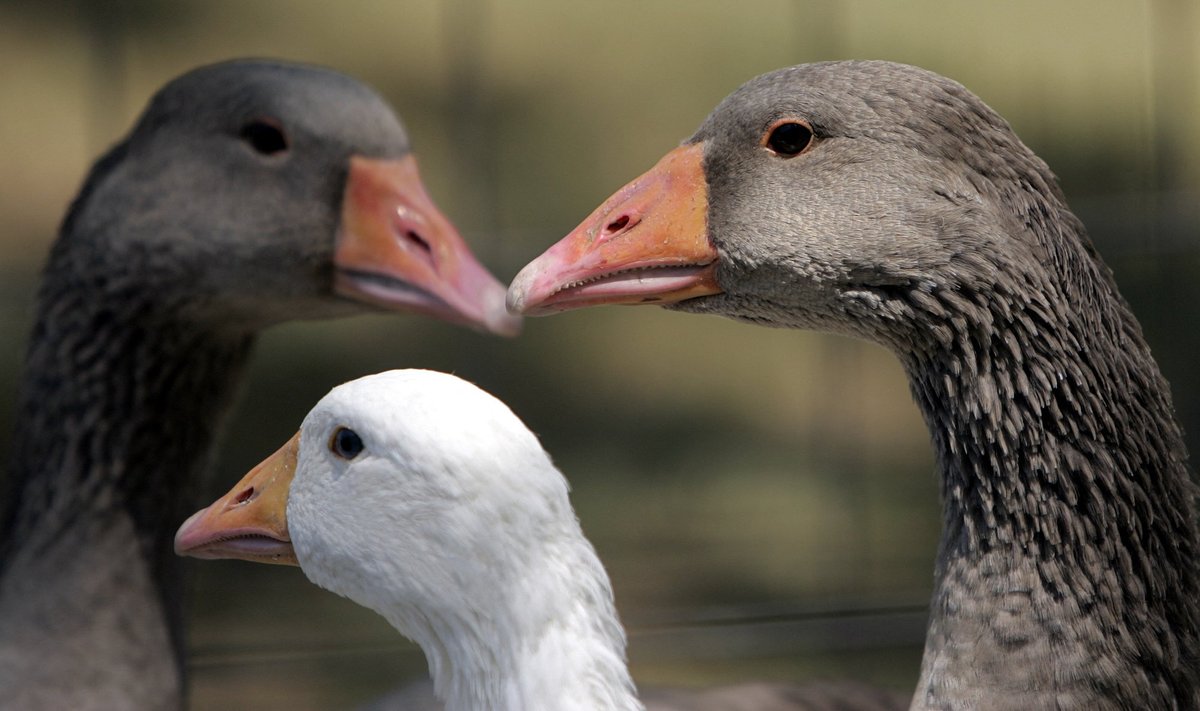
(762, 621)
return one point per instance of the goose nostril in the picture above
(244, 496)
(418, 240)
(617, 225)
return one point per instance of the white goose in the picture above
(420, 496)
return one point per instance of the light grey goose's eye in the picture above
(788, 137)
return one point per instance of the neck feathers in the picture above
(546, 639)
(119, 405)
(116, 419)
(1069, 544)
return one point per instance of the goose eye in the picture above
(264, 136)
(789, 138)
(345, 443)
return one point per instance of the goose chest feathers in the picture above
(889, 203)
(248, 193)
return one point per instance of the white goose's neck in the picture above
(548, 639)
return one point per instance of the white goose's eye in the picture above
(345, 443)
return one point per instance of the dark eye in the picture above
(346, 443)
(265, 137)
(789, 138)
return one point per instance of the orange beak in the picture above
(395, 249)
(250, 522)
(647, 244)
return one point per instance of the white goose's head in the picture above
(410, 492)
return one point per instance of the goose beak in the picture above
(250, 522)
(395, 249)
(647, 244)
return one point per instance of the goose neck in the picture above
(1066, 563)
(546, 640)
(115, 421)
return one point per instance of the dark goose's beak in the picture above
(647, 244)
(250, 522)
(395, 249)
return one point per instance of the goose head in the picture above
(834, 196)
(252, 191)
(410, 492)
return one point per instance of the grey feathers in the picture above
(920, 221)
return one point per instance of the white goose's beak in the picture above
(250, 522)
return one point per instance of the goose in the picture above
(248, 193)
(886, 202)
(420, 496)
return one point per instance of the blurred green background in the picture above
(764, 500)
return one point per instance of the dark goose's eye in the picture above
(265, 136)
(345, 443)
(788, 138)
